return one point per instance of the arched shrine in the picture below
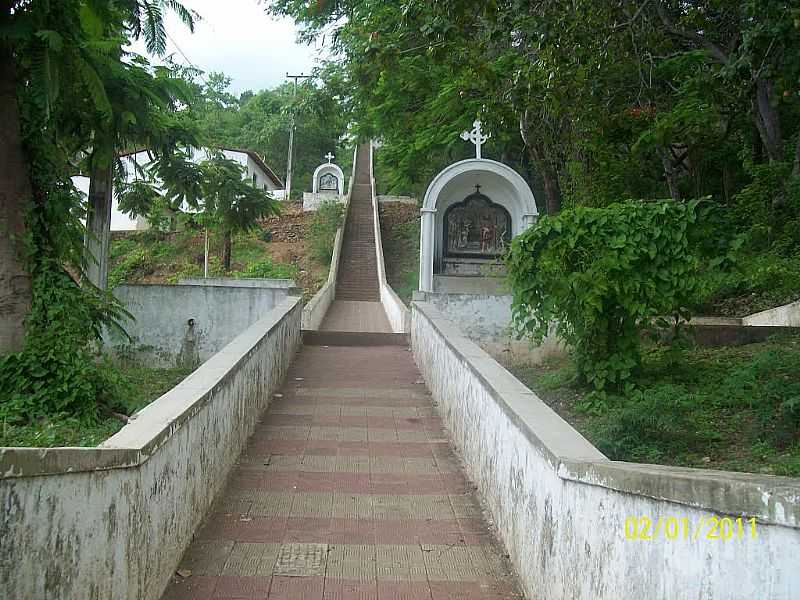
(470, 212)
(327, 184)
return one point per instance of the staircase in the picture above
(358, 268)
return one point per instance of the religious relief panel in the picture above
(476, 228)
(329, 182)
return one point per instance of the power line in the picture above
(186, 58)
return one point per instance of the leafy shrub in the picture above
(599, 273)
(57, 372)
(267, 269)
(322, 232)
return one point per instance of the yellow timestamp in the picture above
(681, 528)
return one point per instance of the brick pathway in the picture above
(347, 489)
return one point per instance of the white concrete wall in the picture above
(396, 311)
(560, 506)
(112, 523)
(787, 315)
(280, 284)
(161, 332)
(312, 200)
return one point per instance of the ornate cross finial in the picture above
(329, 156)
(477, 188)
(477, 137)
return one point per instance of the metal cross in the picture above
(478, 188)
(329, 156)
(477, 137)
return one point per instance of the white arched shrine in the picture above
(328, 179)
(479, 181)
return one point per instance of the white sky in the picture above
(240, 39)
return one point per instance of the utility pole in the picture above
(288, 191)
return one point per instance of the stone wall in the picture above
(560, 506)
(190, 323)
(111, 523)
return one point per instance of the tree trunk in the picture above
(549, 175)
(98, 227)
(226, 250)
(796, 167)
(15, 194)
(767, 119)
(669, 174)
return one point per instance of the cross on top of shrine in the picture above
(477, 137)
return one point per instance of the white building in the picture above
(255, 167)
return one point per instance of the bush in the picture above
(322, 232)
(58, 371)
(649, 424)
(599, 273)
(267, 269)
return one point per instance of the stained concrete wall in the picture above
(190, 323)
(560, 506)
(112, 523)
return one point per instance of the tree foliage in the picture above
(599, 274)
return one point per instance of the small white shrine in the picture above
(470, 212)
(327, 184)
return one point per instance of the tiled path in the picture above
(344, 315)
(348, 489)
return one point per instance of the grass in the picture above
(145, 384)
(733, 408)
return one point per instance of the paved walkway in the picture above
(351, 315)
(347, 489)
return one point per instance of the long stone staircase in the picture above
(358, 269)
(357, 307)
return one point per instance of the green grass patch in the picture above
(735, 408)
(140, 386)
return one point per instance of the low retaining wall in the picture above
(190, 323)
(312, 201)
(279, 284)
(112, 522)
(787, 315)
(561, 507)
(396, 311)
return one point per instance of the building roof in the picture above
(251, 153)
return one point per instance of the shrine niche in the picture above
(328, 182)
(471, 211)
(476, 228)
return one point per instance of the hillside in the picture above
(278, 248)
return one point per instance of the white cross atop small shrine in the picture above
(329, 156)
(477, 137)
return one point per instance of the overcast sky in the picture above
(240, 39)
